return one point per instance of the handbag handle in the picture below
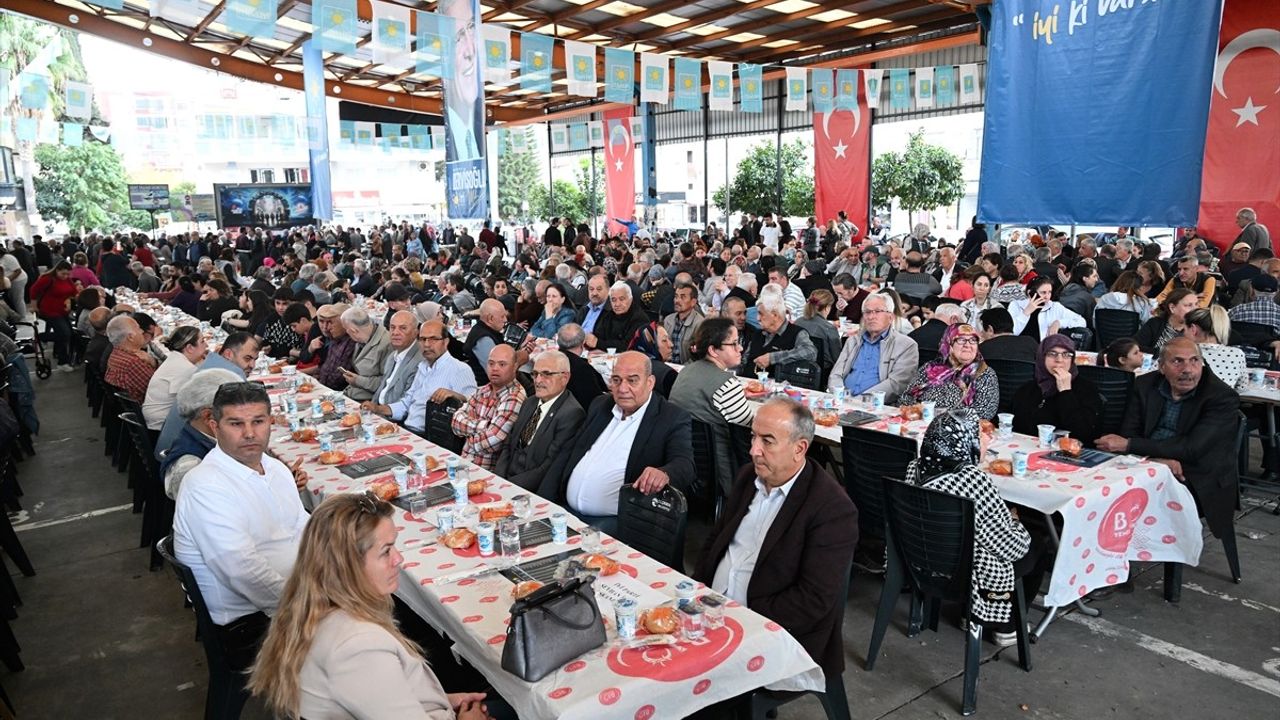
(595, 614)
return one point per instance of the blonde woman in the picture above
(333, 650)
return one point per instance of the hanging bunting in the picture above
(846, 89)
(519, 140)
(433, 44)
(924, 87)
(347, 132)
(110, 4)
(497, 53)
(559, 138)
(255, 18)
(419, 137)
(50, 132)
(33, 91)
(437, 137)
(79, 100)
(333, 25)
(688, 84)
(390, 130)
(595, 129)
(900, 89)
(101, 133)
(535, 61)
(944, 85)
(824, 95)
(26, 129)
(619, 75)
(969, 94)
(390, 40)
(656, 86)
(187, 12)
(364, 133)
(721, 94)
(797, 89)
(72, 134)
(579, 137)
(871, 81)
(750, 88)
(637, 129)
(580, 68)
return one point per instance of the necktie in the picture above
(526, 436)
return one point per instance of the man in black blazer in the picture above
(546, 424)
(784, 545)
(632, 436)
(1197, 439)
(585, 382)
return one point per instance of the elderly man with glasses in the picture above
(440, 376)
(545, 426)
(877, 359)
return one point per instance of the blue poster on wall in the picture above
(1120, 92)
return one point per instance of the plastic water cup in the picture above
(1046, 435)
(400, 474)
(712, 612)
(591, 539)
(691, 627)
(877, 400)
(927, 410)
(559, 528)
(894, 427)
(522, 506)
(1019, 464)
(509, 539)
(418, 508)
(1005, 428)
(1257, 377)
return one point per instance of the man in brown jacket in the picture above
(784, 545)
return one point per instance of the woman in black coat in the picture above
(1057, 396)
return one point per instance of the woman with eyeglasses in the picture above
(958, 377)
(333, 649)
(1057, 395)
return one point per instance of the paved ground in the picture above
(105, 638)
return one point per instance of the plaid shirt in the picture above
(485, 420)
(129, 372)
(1264, 312)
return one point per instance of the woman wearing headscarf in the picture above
(1057, 395)
(1003, 550)
(958, 377)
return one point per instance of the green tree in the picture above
(590, 184)
(85, 187)
(178, 192)
(922, 178)
(517, 176)
(572, 199)
(754, 187)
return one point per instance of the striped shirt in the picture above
(731, 400)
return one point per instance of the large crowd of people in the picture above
(692, 322)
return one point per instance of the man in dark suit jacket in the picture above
(1000, 343)
(585, 382)
(929, 335)
(546, 424)
(784, 545)
(632, 436)
(1197, 439)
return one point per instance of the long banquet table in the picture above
(665, 680)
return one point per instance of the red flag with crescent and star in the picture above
(842, 159)
(620, 169)
(1242, 148)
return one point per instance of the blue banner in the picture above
(578, 138)
(317, 130)
(899, 89)
(433, 46)
(466, 171)
(255, 18)
(619, 73)
(334, 25)
(944, 85)
(824, 97)
(688, 84)
(847, 89)
(750, 88)
(535, 61)
(1142, 73)
(347, 132)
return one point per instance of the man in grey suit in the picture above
(545, 425)
(401, 364)
(1251, 233)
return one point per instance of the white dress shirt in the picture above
(238, 531)
(162, 389)
(733, 574)
(598, 477)
(446, 372)
(401, 357)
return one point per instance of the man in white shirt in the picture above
(401, 365)
(770, 234)
(791, 295)
(238, 523)
(784, 545)
(439, 377)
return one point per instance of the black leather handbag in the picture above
(551, 626)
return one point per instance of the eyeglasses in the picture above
(874, 312)
(1059, 354)
(426, 338)
(547, 374)
(972, 341)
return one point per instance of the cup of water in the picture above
(1005, 428)
(1046, 435)
(927, 410)
(1257, 377)
(522, 506)
(509, 540)
(611, 352)
(400, 474)
(893, 427)
(418, 508)
(591, 539)
(1020, 463)
(877, 400)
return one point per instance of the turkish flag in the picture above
(1242, 148)
(842, 156)
(620, 170)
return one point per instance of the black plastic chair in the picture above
(1082, 337)
(226, 696)
(835, 703)
(1114, 386)
(803, 374)
(654, 524)
(932, 537)
(1255, 357)
(1111, 325)
(440, 425)
(1251, 333)
(740, 445)
(927, 356)
(1173, 570)
(870, 455)
(1011, 375)
(157, 508)
(705, 493)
